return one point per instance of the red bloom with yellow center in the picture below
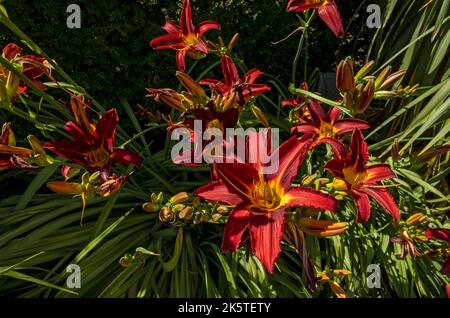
(93, 144)
(261, 200)
(362, 181)
(242, 88)
(327, 10)
(328, 127)
(185, 38)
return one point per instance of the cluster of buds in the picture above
(30, 66)
(145, 113)
(358, 91)
(221, 48)
(181, 209)
(305, 222)
(329, 277)
(410, 233)
(14, 157)
(139, 257)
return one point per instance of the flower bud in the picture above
(186, 213)
(166, 215)
(382, 77)
(149, 207)
(364, 98)
(364, 71)
(179, 198)
(345, 78)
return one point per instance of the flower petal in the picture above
(106, 129)
(181, 60)
(171, 28)
(238, 177)
(186, 24)
(363, 206)
(301, 5)
(309, 198)
(344, 126)
(168, 41)
(317, 112)
(229, 71)
(446, 269)
(266, 230)
(236, 225)
(122, 156)
(378, 172)
(336, 146)
(330, 14)
(251, 76)
(335, 167)
(206, 26)
(218, 191)
(440, 234)
(359, 151)
(384, 198)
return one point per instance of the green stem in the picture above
(300, 47)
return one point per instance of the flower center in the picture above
(190, 40)
(327, 130)
(354, 177)
(265, 196)
(98, 158)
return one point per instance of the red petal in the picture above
(440, 234)
(363, 205)
(309, 198)
(238, 177)
(106, 129)
(186, 24)
(230, 71)
(79, 135)
(447, 287)
(446, 271)
(337, 147)
(317, 112)
(344, 126)
(6, 131)
(383, 197)
(266, 230)
(68, 149)
(122, 156)
(379, 172)
(251, 76)
(217, 191)
(335, 167)
(256, 89)
(11, 51)
(290, 155)
(288, 102)
(301, 5)
(220, 87)
(305, 129)
(171, 28)
(330, 14)
(168, 41)
(206, 26)
(236, 225)
(334, 114)
(181, 60)
(359, 151)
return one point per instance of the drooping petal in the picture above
(251, 76)
(200, 47)
(335, 167)
(218, 191)
(344, 126)
(290, 156)
(255, 89)
(122, 156)
(334, 114)
(309, 129)
(186, 24)
(440, 234)
(309, 198)
(171, 28)
(378, 172)
(206, 26)
(330, 14)
(359, 151)
(301, 5)
(384, 198)
(33, 66)
(337, 147)
(7, 135)
(220, 87)
(181, 60)
(168, 41)
(68, 149)
(10, 150)
(363, 205)
(290, 102)
(237, 223)
(106, 129)
(266, 230)
(229, 71)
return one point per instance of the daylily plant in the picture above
(327, 10)
(444, 235)
(260, 200)
(361, 181)
(186, 38)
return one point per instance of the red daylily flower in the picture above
(261, 200)
(242, 88)
(328, 127)
(327, 10)
(93, 144)
(33, 67)
(11, 156)
(298, 101)
(444, 235)
(361, 181)
(185, 38)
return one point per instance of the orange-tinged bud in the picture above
(166, 215)
(364, 71)
(40, 157)
(65, 188)
(233, 41)
(150, 207)
(179, 198)
(191, 85)
(382, 77)
(78, 106)
(365, 98)
(341, 272)
(322, 228)
(260, 115)
(216, 217)
(345, 78)
(337, 289)
(186, 213)
(416, 218)
(391, 79)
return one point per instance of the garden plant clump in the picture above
(234, 182)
